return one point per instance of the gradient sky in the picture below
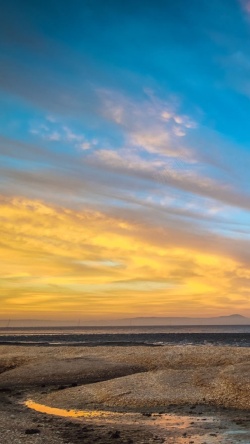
(124, 158)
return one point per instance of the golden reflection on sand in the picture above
(163, 420)
(171, 425)
(68, 413)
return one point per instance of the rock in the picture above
(32, 431)
(115, 434)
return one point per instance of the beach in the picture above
(171, 394)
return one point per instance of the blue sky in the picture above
(138, 111)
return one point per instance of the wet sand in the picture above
(125, 395)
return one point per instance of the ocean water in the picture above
(238, 336)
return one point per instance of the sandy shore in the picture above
(154, 394)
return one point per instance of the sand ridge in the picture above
(132, 378)
(225, 387)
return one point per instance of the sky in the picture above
(124, 158)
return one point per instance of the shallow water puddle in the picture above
(177, 429)
(163, 420)
(67, 413)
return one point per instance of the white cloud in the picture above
(51, 118)
(34, 131)
(85, 146)
(71, 136)
(166, 115)
(152, 125)
(54, 137)
(178, 131)
(54, 132)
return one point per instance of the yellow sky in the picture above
(58, 263)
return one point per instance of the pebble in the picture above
(32, 431)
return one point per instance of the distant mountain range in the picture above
(234, 319)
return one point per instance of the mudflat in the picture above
(175, 394)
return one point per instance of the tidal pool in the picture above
(178, 429)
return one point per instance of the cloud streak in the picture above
(95, 259)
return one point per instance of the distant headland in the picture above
(234, 319)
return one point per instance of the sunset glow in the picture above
(124, 159)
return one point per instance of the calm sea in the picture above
(238, 336)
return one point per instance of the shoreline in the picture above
(177, 425)
(113, 379)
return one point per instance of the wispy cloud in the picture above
(53, 131)
(173, 174)
(108, 173)
(96, 259)
(151, 124)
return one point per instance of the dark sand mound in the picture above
(64, 371)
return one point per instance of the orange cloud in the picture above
(62, 263)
